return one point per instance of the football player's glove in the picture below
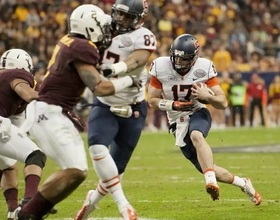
(110, 70)
(107, 70)
(182, 106)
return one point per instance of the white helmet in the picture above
(91, 22)
(16, 59)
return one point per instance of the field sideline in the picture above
(161, 184)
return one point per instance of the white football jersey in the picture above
(122, 46)
(177, 87)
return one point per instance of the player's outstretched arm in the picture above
(92, 79)
(23, 89)
(134, 60)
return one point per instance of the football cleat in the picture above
(213, 190)
(254, 196)
(13, 215)
(128, 213)
(87, 207)
(24, 201)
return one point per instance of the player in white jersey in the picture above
(118, 120)
(180, 84)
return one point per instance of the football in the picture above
(210, 91)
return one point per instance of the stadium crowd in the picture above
(239, 36)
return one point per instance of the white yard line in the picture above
(106, 218)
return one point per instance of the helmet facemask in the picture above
(102, 34)
(181, 62)
(184, 53)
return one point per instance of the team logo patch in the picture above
(126, 41)
(199, 73)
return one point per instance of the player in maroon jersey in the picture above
(16, 80)
(50, 119)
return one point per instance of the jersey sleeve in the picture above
(212, 82)
(212, 71)
(153, 80)
(145, 40)
(155, 83)
(20, 74)
(85, 51)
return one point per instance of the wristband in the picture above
(122, 83)
(165, 105)
(119, 67)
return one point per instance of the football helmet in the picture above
(17, 59)
(128, 15)
(91, 22)
(184, 53)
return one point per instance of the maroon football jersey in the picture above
(10, 102)
(62, 85)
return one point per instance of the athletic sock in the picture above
(11, 196)
(237, 181)
(31, 185)
(210, 176)
(108, 173)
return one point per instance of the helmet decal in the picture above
(3, 64)
(145, 6)
(196, 44)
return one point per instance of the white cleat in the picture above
(128, 213)
(13, 215)
(251, 192)
(87, 208)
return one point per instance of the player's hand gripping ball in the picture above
(201, 92)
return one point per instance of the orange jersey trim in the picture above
(212, 82)
(155, 83)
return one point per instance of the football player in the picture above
(180, 85)
(50, 119)
(118, 120)
(17, 82)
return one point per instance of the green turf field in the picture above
(161, 184)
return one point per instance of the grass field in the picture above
(161, 184)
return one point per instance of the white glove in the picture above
(109, 70)
(5, 129)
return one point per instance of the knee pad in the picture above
(98, 151)
(36, 158)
